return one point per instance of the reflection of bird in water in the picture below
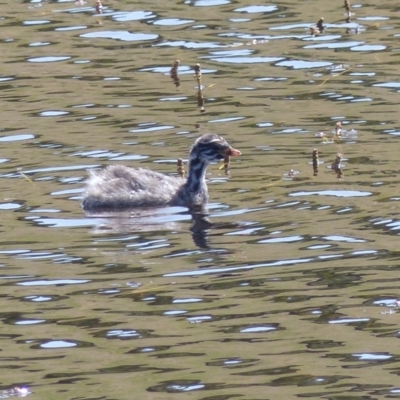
(118, 187)
(157, 220)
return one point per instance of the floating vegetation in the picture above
(226, 164)
(336, 167)
(288, 176)
(343, 134)
(99, 7)
(315, 162)
(338, 129)
(338, 67)
(256, 41)
(197, 73)
(347, 7)
(320, 24)
(15, 392)
(319, 28)
(174, 73)
(325, 139)
(355, 30)
(200, 97)
(339, 134)
(180, 168)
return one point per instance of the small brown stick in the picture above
(347, 7)
(320, 24)
(99, 7)
(197, 73)
(180, 168)
(336, 163)
(338, 129)
(173, 73)
(315, 162)
(200, 97)
(316, 30)
(226, 164)
(200, 101)
(336, 167)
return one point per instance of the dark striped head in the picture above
(211, 147)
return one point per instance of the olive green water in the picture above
(291, 290)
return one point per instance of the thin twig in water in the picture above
(340, 73)
(226, 164)
(315, 161)
(173, 73)
(180, 168)
(200, 97)
(337, 167)
(27, 178)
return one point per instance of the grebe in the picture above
(118, 187)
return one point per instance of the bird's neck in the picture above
(196, 181)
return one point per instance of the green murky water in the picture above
(291, 291)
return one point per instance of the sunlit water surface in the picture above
(289, 289)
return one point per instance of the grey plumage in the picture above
(118, 187)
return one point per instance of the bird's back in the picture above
(119, 187)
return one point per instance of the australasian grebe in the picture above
(118, 187)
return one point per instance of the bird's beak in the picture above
(232, 152)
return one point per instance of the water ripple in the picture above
(120, 35)
(336, 193)
(133, 16)
(257, 9)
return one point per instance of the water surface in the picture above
(288, 289)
